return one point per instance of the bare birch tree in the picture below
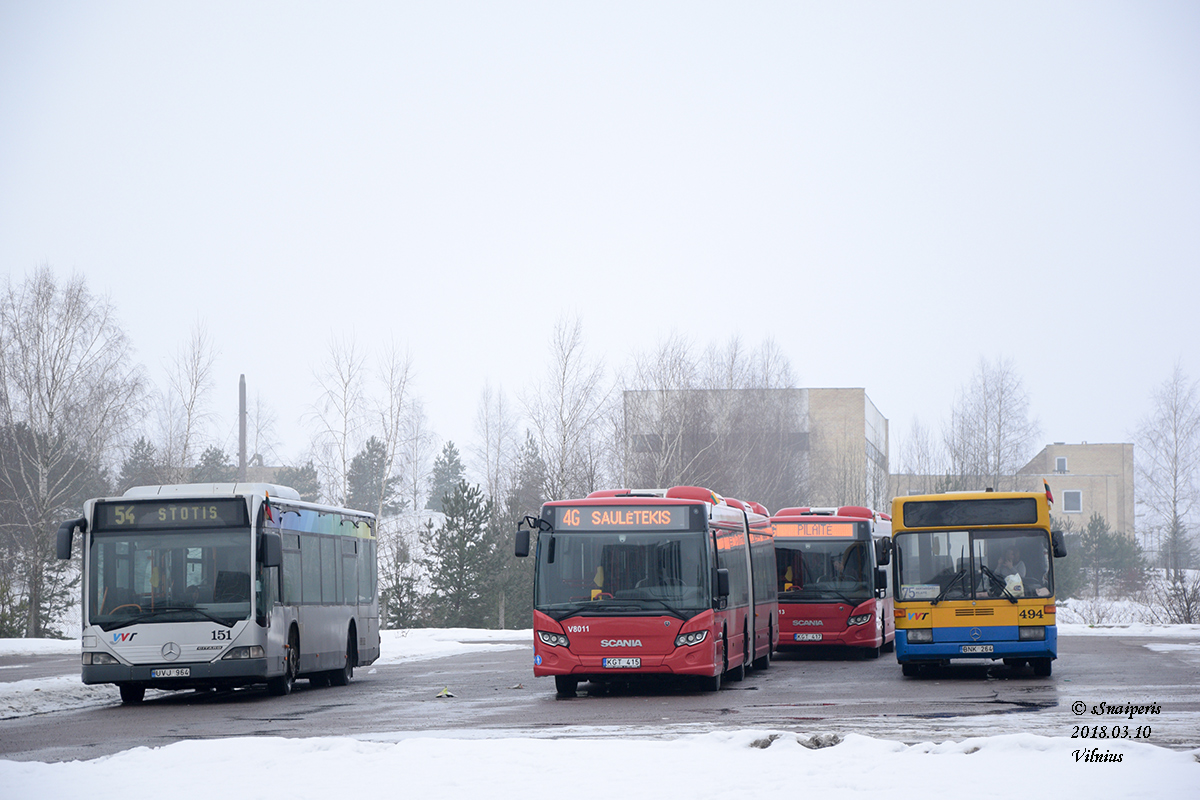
(566, 412)
(990, 434)
(69, 392)
(497, 447)
(183, 410)
(1168, 466)
(339, 416)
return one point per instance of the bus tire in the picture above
(132, 693)
(871, 652)
(291, 666)
(565, 685)
(889, 647)
(341, 677)
(1042, 667)
(712, 684)
(910, 670)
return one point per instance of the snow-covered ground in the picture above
(743, 763)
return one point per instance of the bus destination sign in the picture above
(225, 512)
(844, 530)
(622, 518)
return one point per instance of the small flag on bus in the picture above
(267, 506)
(1049, 495)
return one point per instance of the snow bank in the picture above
(736, 764)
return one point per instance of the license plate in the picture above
(976, 648)
(622, 663)
(173, 672)
(808, 637)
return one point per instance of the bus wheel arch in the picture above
(284, 684)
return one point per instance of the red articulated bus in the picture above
(833, 588)
(630, 584)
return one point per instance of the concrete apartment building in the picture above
(835, 440)
(1085, 479)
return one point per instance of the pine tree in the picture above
(214, 466)
(461, 561)
(447, 472)
(303, 479)
(515, 592)
(141, 468)
(370, 489)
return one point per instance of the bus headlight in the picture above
(1031, 634)
(920, 636)
(859, 619)
(689, 639)
(253, 651)
(553, 639)
(97, 659)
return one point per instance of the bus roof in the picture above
(200, 489)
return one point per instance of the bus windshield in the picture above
(200, 574)
(623, 572)
(823, 570)
(974, 565)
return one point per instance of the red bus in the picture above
(833, 588)
(638, 583)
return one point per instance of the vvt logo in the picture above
(123, 637)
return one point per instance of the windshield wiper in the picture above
(1002, 584)
(149, 615)
(942, 595)
(674, 611)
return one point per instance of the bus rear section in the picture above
(834, 588)
(975, 579)
(631, 585)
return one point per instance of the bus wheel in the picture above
(1042, 667)
(712, 684)
(132, 694)
(889, 647)
(291, 665)
(565, 685)
(871, 652)
(910, 670)
(341, 677)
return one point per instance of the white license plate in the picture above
(622, 663)
(173, 672)
(808, 637)
(976, 648)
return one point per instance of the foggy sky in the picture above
(890, 192)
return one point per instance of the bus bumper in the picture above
(232, 672)
(955, 643)
(696, 660)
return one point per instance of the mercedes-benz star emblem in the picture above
(171, 651)
(975, 634)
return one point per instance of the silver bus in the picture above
(205, 586)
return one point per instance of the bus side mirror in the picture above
(1059, 543)
(883, 552)
(66, 534)
(272, 549)
(881, 582)
(722, 582)
(522, 544)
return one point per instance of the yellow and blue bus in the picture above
(974, 579)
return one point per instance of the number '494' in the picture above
(1031, 613)
(222, 635)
